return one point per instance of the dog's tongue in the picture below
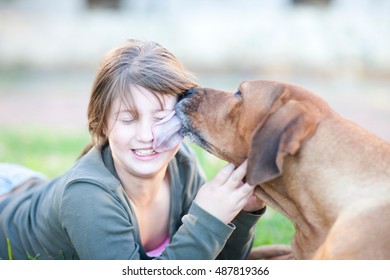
(166, 133)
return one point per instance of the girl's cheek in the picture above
(124, 132)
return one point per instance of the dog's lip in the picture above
(186, 128)
(181, 115)
(183, 131)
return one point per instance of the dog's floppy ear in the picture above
(280, 135)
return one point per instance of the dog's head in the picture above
(263, 121)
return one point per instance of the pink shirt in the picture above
(158, 251)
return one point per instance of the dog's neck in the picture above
(307, 220)
(314, 204)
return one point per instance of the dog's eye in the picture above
(237, 94)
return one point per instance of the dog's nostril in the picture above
(187, 93)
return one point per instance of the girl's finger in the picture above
(224, 174)
(245, 191)
(236, 177)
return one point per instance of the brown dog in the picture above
(330, 177)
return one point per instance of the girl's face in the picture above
(130, 134)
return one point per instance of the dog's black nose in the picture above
(187, 93)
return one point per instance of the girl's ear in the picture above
(280, 135)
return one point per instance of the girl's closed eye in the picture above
(126, 117)
(161, 115)
(127, 120)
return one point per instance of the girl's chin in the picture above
(147, 171)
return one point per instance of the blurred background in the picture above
(50, 50)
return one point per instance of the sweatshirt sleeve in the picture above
(240, 242)
(97, 224)
(200, 237)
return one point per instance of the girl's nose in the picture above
(144, 132)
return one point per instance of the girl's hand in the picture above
(225, 195)
(254, 204)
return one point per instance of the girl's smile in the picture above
(145, 154)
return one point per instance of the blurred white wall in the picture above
(219, 35)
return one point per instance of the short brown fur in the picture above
(330, 177)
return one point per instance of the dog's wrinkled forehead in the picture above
(265, 91)
(260, 96)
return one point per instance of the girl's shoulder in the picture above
(90, 170)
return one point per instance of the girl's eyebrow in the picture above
(134, 113)
(123, 111)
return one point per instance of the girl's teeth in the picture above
(145, 152)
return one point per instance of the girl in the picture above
(123, 199)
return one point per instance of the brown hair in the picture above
(145, 64)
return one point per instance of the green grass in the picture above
(52, 152)
(47, 151)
